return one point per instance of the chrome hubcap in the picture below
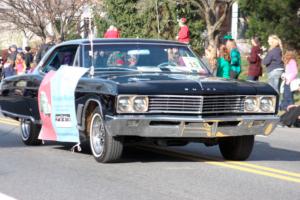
(25, 126)
(97, 135)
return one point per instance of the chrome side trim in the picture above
(13, 115)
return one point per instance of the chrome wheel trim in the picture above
(97, 135)
(25, 127)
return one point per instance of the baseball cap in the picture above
(227, 37)
(183, 19)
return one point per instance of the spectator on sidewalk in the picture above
(112, 32)
(223, 61)
(226, 38)
(273, 62)
(12, 52)
(20, 65)
(28, 57)
(184, 32)
(254, 60)
(291, 117)
(235, 59)
(8, 68)
(290, 74)
(44, 48)
(32, 67)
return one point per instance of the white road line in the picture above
(5, 197)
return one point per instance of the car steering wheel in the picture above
(164, 64)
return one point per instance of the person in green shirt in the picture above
(235, 59)
(223, 60)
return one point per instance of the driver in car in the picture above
(174, 57)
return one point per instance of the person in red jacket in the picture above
(184, 32)
(255, 68)
(112, 32)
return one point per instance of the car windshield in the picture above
(143, 58)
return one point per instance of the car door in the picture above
(20, 92)
(65, 55)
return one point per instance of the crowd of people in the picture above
(280, 66)
(17, 61)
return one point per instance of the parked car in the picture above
(136, 90)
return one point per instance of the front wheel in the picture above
(30, 132)
(105, 148)
(236, 148)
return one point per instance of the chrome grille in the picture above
(223, 104)
(195, 104)
(175, 104)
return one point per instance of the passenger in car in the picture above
(101, 59)
(132, 60)
(116, 58)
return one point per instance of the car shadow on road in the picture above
(262, 151)
(138, 153)
(130, 154)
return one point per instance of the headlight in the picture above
(140, 104)
(260, 104)
(251, 104)
(132, 104)
(124, 104)
(267, 104)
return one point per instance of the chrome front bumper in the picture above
(190, 126)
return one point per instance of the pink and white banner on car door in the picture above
(56, 100)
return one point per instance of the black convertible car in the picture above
(136, 90)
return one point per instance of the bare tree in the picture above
(214, 12)
(36, 15)
(24, 15)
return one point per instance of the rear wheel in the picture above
(30, 132)
(105, 148)
(236, 148)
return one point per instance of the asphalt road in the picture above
(52, 171)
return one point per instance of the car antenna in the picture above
(91, 52)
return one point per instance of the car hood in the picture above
(184, 84)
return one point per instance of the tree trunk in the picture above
(213, 40)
